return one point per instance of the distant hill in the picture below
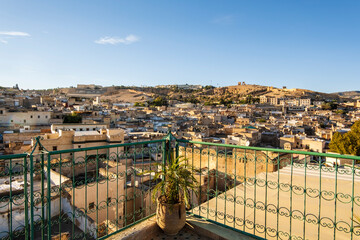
(349, 94)
(209, 96)
(258, 90)
(126, 95)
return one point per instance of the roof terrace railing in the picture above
(98, 191)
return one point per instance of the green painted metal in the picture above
(26, 200)
(32, 223)
(11, 201)
(48, 198)
(237, 195)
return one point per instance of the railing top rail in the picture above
(273, 150)
(12, 156)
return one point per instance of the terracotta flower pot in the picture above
(170, 218)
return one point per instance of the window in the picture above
(30, 116)
(87, 129)
(79, 146)
(54, 148)
(12, 120)
(46, 116)
(91, 205)
(24, 121)
(38, 116)
(1, 111)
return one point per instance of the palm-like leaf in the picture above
(356, 219)
(177, 182)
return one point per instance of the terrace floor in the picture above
(194, 229)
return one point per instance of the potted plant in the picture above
(172, 194)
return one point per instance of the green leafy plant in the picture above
(177, 182)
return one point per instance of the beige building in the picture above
(240, 162)
(17, 143)
(77, 127)
(305, 102)
(253, 136)
(357, 103)
(20, 119)
(100, 199)
(71, 139)
(237, 140)
(290, 142)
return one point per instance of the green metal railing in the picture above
(84, 193)
(98, 191)
(274, 193)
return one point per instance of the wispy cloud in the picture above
(129, 39)
(11, 34)
(225, 19)
(15, 34)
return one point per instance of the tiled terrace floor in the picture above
(184, 234)
(195, 229)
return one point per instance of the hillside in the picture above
(208, 95)
(241, 93)
(126, 95)
(349, 94)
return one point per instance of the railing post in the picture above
(26, 200)
(48, 202)
(42, 197)
(164, 153)
(167, 150)
(32, 204)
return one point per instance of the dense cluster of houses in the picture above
(273, 122)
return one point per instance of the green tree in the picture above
(207, 87)
(262, 120)
(139, 104)
(348, 143)
(73, 118)
(329, 106)
(159, 101)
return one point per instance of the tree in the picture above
(348, 143)
(73, 118)
(208, 87)
(139, 104)
(159, 101)
(329, 106)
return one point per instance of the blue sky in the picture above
(303, 44)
